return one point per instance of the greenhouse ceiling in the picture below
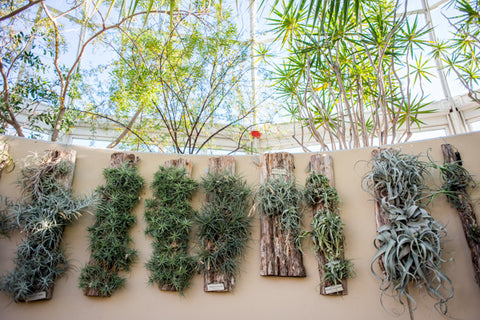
(238, 76)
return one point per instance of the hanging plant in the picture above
(109, 236)
(408, 243)
(327, 233)
(169, 218)
(456, 183)
(224, 225)
(279, 197)
(48, 206)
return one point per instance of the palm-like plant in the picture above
(352, 77)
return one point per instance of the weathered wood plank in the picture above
(279, 255)
(323, 164)
(216, 281)
(52, 157)
(117, 159)
(465, 211)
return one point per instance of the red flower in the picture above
(255, 133)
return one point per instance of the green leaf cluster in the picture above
(109, 236)
(169, 221)
(409, 246)
(224, 223)
(279, 197)
(327, 228)
(47, 209)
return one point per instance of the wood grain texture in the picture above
(213, 281)
(465, 211)
(279, 255)
(322, 164)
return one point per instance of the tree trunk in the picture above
(216, 281)
(323, 164)
(117, 159)
(279, 255)
(55, 156)
(465, 212)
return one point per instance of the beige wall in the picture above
(254, 296)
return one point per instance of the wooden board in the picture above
(216, 281)
(323, 164)
(117, 159)
(51, 157)
(279, 255)
(465, 212)
(176, 163)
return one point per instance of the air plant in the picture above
(48, 206)
(281, 197)
(327, 229)
(169, 218)
(409, 244)
(109, 237)
(224, 223)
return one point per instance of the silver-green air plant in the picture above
(409, 244)
(223, 223)
(110, 242)
(283, 198)
(169, 216)
(327, 229)
(46, 209)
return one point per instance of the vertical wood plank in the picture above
(117, 159)
(52, 157)
(216, 281)
(279, 255)
(465, 211)
(322, 164)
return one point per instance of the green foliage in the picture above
(109, 237)
(350, 80)
(169, 221)
(281, 197)
(327, 228)
(47, 209)
(223, 223)
(409, 245)
(455, 180)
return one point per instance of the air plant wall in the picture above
(409, 240)
(110, 242)
(48, 205)
(327, 234)
(169, 216)
(223, 228)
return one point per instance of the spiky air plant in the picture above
(409, 240)
(327, 229)
(224, 223)
(110, 242)
(47, 207)
(282, 198)
(169, 218)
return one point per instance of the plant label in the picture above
(36, 296)
(215, 287)
(334, 289)
(279, 172)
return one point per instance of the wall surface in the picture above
(254, 297)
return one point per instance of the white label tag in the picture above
(334, 289)
(215, 287)
(36, 296)
(277, 171)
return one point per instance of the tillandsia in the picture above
(224, 223)
(169, 218)
(327, 229)
(283, 198)
(455, 181)
(110, 242)
(409, 243)
(48, 206)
